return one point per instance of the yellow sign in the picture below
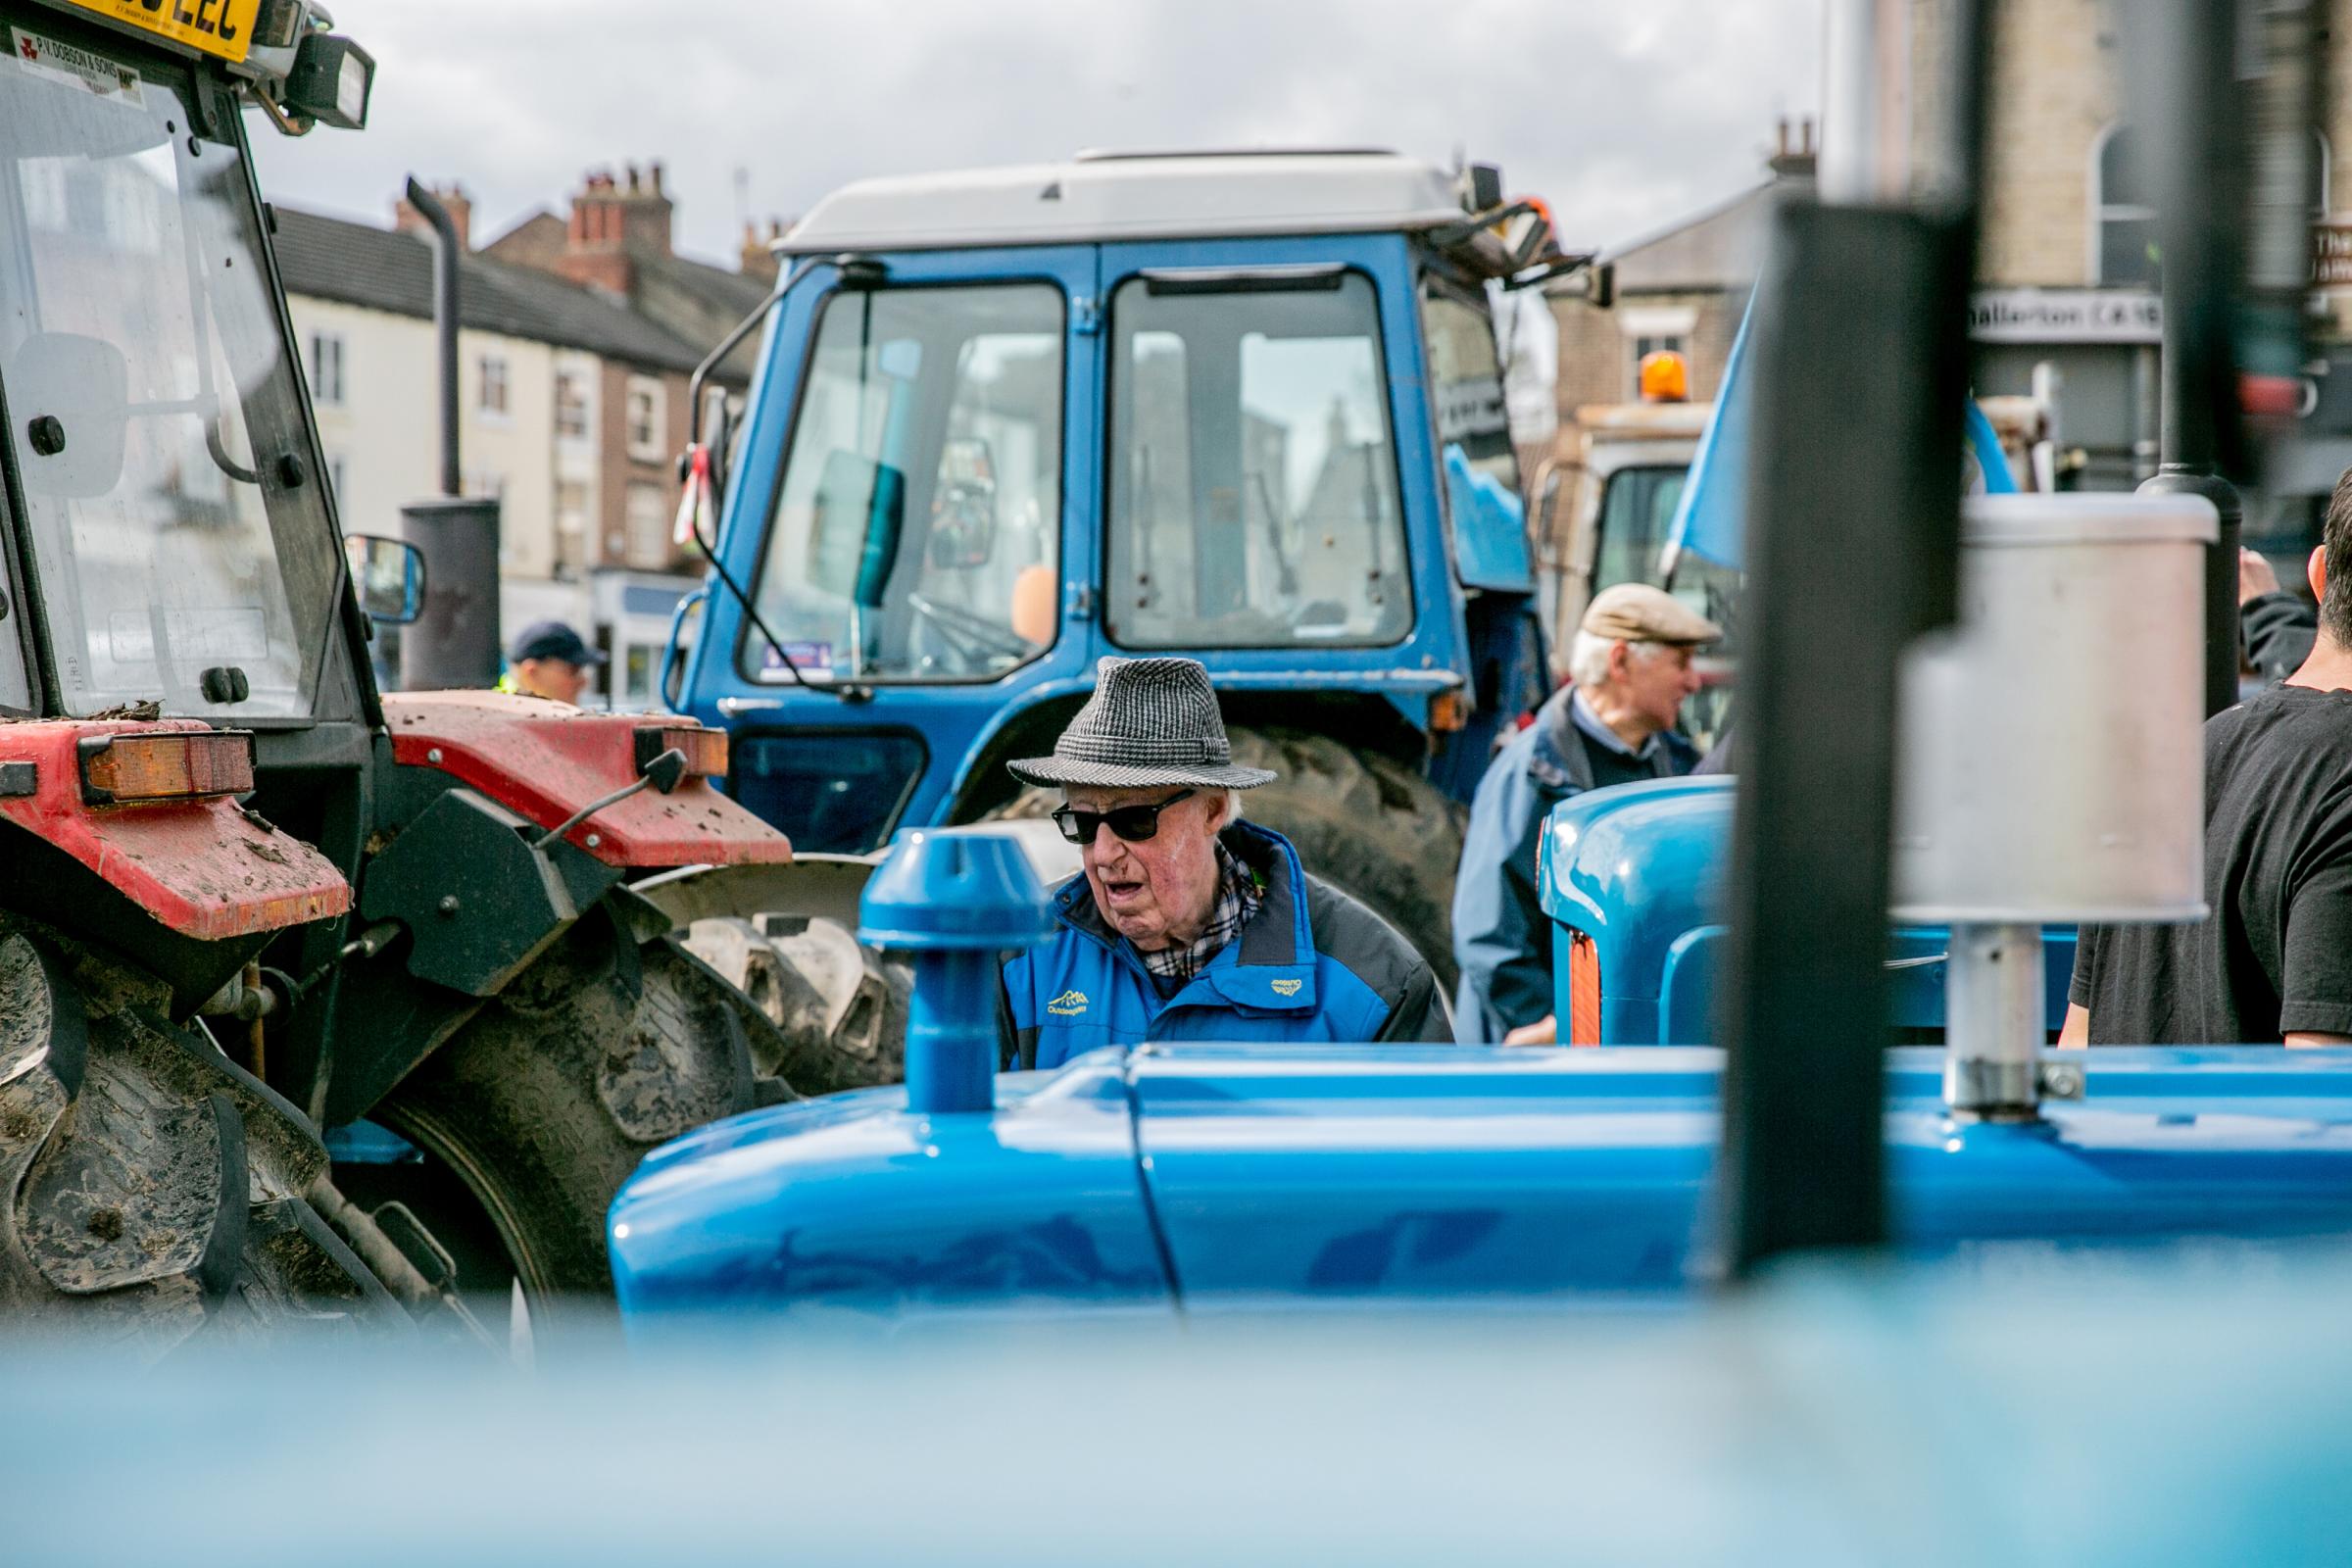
(223, 28)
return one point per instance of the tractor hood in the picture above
(1230, 1177)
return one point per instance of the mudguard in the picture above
(205, 869)
(544, 761)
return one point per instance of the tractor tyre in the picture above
(156, 1192)
(543, 1103)
(1366, 824)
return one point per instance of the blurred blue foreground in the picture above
(2037, 1411)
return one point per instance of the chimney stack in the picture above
(757, 257)
(612, 222)
(1793, 161)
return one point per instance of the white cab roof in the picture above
(1105, 196)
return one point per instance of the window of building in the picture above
(484, 484)
(492, 398)
(327, 368)
(646, 418)
(572, 404)
(334, 476)
(2123, 239)
(571, 527)
(646, 517)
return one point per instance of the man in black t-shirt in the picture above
(2274, 960)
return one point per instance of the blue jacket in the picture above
(1501, 940)
(1311, 965)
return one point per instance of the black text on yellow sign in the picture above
(223, 28)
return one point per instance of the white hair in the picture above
(1588, 656)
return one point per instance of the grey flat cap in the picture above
(1151, 723)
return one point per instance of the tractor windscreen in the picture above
(916, 529)
(156, 425)
(1254, 493)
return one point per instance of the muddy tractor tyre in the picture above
(156, 1193)
(545, 1101)
(1364, 823)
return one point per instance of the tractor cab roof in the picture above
(1100, 196)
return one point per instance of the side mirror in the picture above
(860, 510)
(388, 575)
(964, 512)
(70, 396)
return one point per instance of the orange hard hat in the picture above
(1664, 377)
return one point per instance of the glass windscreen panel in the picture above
(1253, 478)
(1466, 376)
(157, 423)
(916, 527)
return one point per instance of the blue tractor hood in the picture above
(1638, 871)
(1203, 1178)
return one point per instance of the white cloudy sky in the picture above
(1625, 113)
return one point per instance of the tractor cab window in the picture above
(157, 425)
(916, 524)
(1636, 513)
(1465, 373)
(1252, 481)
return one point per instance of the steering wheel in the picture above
(974, 637)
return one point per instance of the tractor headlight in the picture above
(331, 81)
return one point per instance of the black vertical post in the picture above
(454, 642)
(2186, 121)
(1853, 541)
(445, 322)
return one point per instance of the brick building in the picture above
(2066, 276)
(615, 239)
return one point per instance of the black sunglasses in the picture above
(1131, 823)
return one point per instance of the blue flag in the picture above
(1711, 521)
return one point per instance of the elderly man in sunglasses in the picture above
(1190, 923)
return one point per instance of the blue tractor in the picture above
(1245, 407)
(2031, 662)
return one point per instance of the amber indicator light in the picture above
(126, 770)
(1584, 991)
(705, 748)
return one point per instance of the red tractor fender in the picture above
(205, 868)
(544, 761)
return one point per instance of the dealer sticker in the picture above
(803, 656)
(71, 67)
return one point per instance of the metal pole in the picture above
(1992, 994)
(2186, 127)
(446, 249)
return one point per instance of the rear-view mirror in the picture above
(388, 575)
(859, 510)
(963, 509)
(69, 397)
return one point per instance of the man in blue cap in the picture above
(550, 660)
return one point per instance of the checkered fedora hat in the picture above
(1152, 721)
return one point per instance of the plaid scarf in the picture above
(1239, 897)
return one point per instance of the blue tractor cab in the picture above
(1246, 409)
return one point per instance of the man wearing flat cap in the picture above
(1190, 923)
(1629, 670)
